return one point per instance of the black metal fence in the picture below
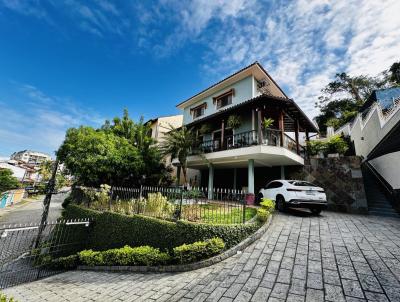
(219, 206)
(26, 250)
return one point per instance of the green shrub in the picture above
(200, 250)
(68, 262)
(112, 230)
(337, 144)
(267, 204)
(66, 201)
(142, 255)
(262, 215)
(158, 205)
(3, 298)
(91, 258)
(314, 147)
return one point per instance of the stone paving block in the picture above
(370, 283)
(298, 286)
(334, 293)
(268, 280)
(295, 298)
(251, 285)
(376, 297)
(243, 297)
(280, 290)
(233, 290)
(352, 288)
(261, 294)
(314, 280)
(314, 295)
(331, 277)
(284, 276)
(347, 272)
(299, 271)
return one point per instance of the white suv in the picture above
(295, 194)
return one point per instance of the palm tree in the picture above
(178, 143)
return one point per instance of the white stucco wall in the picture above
(243, 92)
(388, 166)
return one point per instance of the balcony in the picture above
(269, 137)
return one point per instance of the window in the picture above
(274, 185)
(224, 99)
(199, 110)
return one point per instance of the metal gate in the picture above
(27, 250)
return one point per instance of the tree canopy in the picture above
(342, 98)
(7, 180)
(120, 153)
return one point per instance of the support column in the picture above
(296, 133)
(250, 183)
(307, 135)
(178, 175)
(234, 178)
(210, 181)
(222, 135)
(282, 172)
(259, 124)
(281, 126)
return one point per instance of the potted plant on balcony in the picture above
(234, 122)
(266, 124)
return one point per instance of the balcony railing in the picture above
(270, 137)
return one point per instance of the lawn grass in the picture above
(218, 214)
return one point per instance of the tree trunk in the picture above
(184, 175)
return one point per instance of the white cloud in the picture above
(43, 126)
(302, 43)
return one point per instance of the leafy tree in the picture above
(8, 181)
(119, 153)
(97, 157)
(394, 73)
(178, 143)
(342, 98)
(45, 170)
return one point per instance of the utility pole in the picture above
(46, 202)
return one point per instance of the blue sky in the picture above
(67, 63)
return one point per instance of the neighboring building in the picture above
(30, 157)
(161, 125)
(247, 156)
(375, 133)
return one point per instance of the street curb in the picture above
(185, 267)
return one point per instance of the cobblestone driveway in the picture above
(335, 257)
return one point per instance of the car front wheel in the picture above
(280, 201)
(316, 211)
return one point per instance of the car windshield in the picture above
(303, 184)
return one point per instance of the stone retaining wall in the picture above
(342, 180)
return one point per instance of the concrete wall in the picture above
(243, 92)
(388, 166)
(340, 177)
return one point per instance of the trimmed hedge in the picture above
(112, 230)
(199, 250)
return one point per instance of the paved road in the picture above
(31, 212)
(335, 257)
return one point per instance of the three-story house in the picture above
(248, 131)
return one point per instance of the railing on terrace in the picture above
(270, 137)
(221, 206)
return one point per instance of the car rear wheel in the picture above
(316, 211)
(280, 201)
